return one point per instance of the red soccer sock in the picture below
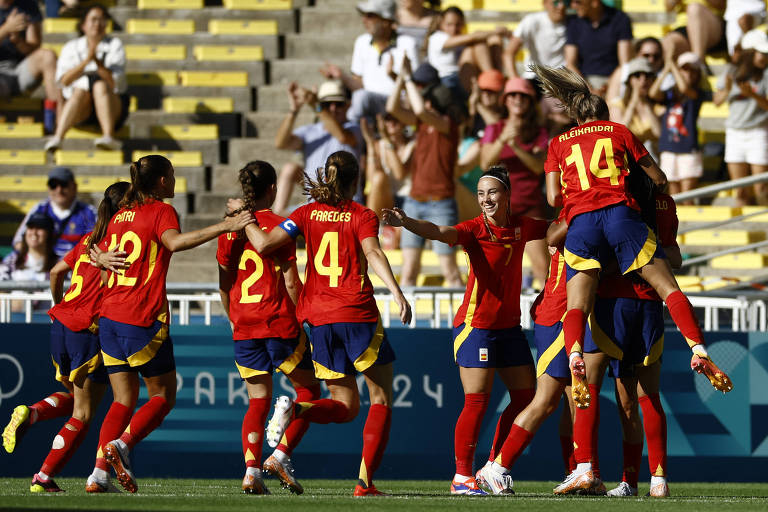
(375, 438)
(585, 429)
(65, 444)
(114, 423)
(518, 400)
(655, 425)
(574, 326)
(566, 450)
(54, 406)
(298, 427)
(467, 431)
(147, 418)
(633, 455)
(684, 317)
(323, 411)
(515, 444)
(253, 429)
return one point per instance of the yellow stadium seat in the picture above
(477, 26)
(228, 53)
(512, 5)
(185, 131)
(93, 132)
(745, 210)
(690, 283)
(214, 79)
(643, 6)
(22, 157)
(177, 158)
(133, 104)
(430, 280)
(259, 5)
(17, 205)
(89, 158)
(197, 105)
(657, 30)
(707, 136)
(243, 27)
(20, 103)
(395, 257)
(56, 47)
(151, 26)
(65, 25)
(709, 109)
(744, 260)
(155, 52)
(706, 213)
(20, 130)
(464, 5)
(170, 4)
(153, 78)
(723, 237)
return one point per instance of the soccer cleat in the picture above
(361, 490)
(493, 482)
(468, 487)
(280, 420)
(598, 489)
(621, 490)
(660, 490)
(94, 486)
(580, 392)
(576, 482)
(120, 463)
(284, 472)
(717, 377)
(253, 484)
(16, 428)
(40, 485)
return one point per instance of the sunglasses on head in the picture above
(54, 184)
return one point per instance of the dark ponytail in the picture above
(341, 170)
(145, 173)
(256, 178)
(108, 207)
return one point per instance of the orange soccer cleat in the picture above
(717, 377)
(579, 389)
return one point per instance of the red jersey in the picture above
(592, 160)
(79, 308)
(549, 306)
(615, 285)
(492, 299)
(336, 284)
(259, 304)
(138, 296)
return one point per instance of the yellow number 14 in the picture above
(603, 146)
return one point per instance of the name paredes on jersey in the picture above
(585, 129)
(330, 216)
(124, 217)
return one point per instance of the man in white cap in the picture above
(332, 132)
(376, 60)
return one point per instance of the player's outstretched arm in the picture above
(265, 242)
(175, 241)
(380, 264)
(425, 229)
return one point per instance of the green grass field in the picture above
(336, 495)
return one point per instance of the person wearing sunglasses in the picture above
(71, 218)
(635, 109)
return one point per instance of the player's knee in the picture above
(353, 408)
(82, 413)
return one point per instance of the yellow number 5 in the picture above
(77, 279)
(330, 244)
(603, 146)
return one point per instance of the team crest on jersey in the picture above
(483, 354)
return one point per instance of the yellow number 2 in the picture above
(249, 255)
(330, 244)
(603, 146)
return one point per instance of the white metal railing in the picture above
(747, 313)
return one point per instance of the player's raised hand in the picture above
(234, 205)
(717, 377)
(239, 221)
(394, 216)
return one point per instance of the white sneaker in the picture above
(494, 482)
(107, 143)
(52, 144)
(623, 489)
(280, 420)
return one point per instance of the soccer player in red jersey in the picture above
(585, 170)
(487, 338)
(259, 294)
(337, 302)
(74, 351)
(133, 328)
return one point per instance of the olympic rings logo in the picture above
(19, 370)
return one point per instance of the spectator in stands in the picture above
(745, 87)
(34, 257)
(317, 141)
(458, 57)
(414, 20)
(376, 60)
(437, 115)
(704, 29)
(740, 17)
(651, 50)
(598, 40)
(56, 8)
(679, 140)
(23, 63)
(91, 71)
(635, 109)
(71, 218)
(543, 35)
(520, 143)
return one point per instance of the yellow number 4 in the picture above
(330, 244)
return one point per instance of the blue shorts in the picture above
(616, 229)
(344, 348)
(550, 350)
(265, 355)
(132, 348)
(444, 212)
(490, 348)
(76, 354)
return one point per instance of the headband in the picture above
(506, 186)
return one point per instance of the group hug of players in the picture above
(612, 249)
